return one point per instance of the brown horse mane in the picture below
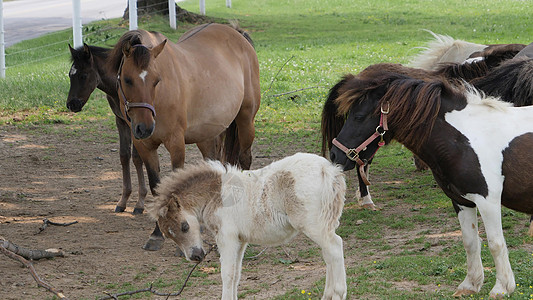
(414, 101)
(141, 54)
(79, 53)
(186, 184)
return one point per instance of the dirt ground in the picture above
(47, 173)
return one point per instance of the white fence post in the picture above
(76, 24)
(2, 42)
(172, 13)
(202, 7)
(133, 14)
(228, 3)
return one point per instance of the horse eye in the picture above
(83, 76)
(156, 82)
(128, 81)
(184, 226)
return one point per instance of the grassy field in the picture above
(309, 45)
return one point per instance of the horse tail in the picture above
(232, 145)
(235, 25)
(332, 122)
(443, 49)
(512, 81)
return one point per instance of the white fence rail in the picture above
(77, 33)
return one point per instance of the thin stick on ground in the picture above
(33, 273)
(47, 222)
(152, 290)
(30, 254)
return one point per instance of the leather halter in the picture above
(353, 153)
(129, 105)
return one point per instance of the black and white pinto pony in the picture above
(442, 55)
(477, 148)
(269, 206)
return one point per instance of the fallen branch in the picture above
(152, 290)
(33, 273)
(30, 254)
(47, 222)
(286, 62)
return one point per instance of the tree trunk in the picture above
(160, 7)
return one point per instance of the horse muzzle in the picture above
(142, 130)
(75, 105)
(338, 157)
(197, 254)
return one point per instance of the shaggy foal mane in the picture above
(181, 184)
(414, 102)
(79, 53)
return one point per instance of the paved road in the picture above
(27, 19)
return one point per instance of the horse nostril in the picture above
(74, 105)
(198, 254)
(332, 156)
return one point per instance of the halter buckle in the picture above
(352, 154)
(385, 112)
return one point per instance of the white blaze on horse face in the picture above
(143, 75)
(72, 71)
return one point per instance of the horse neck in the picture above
(108, 81)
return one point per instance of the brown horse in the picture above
(192, 91)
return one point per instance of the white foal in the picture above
(301, 193)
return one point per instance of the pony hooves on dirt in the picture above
(138, 211)
(119, 209)
(461, 293)
(154, 244)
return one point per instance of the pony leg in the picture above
(492, 219)
(138, 163)
(231, 251)
(530, 232)
(151, 161)
(469, 229)
(211, 149)
(333, 254)
(176, 148)
(246, 135)
(364, 194)
(125, 154)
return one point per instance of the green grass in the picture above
(310, 45)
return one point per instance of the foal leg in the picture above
(138, 163)
(124, 136)
(469, 229)
(231, 252)
(333, 255)
(492, 219)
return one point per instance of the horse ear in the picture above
(86, 49)
(126, 49)
(157, 49)
(72, 51)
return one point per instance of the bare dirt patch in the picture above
(48, 173)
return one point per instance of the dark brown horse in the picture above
(192, 91)
(476, 148)
(87, 73)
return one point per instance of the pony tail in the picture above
(332, 122)
(333, 197)
(235, 25)
(231, 145)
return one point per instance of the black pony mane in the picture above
(512, 81)
(332, 122)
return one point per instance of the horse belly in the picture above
(517, 164)
(271, 232)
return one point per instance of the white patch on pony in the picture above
(143, 75)
(73, 71)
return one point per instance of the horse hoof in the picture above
(461, 293)
(138, 211)
(370, 206)
(119, 209)
(154, 244)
